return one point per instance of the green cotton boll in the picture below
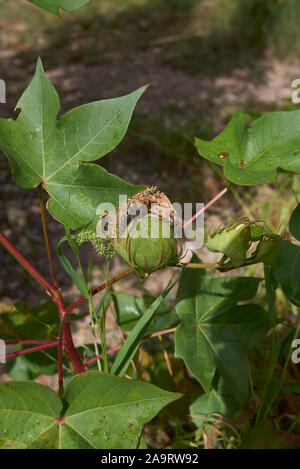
(144, 246)
(232, 241)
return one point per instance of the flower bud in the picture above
(236, 240)
(233, 241)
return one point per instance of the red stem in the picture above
(31, 350)
(46, 236)
(54, 293)
(68, 341)
(27, 266)
(96, 357)
(60, 354)
(12, 342)
(79, 366)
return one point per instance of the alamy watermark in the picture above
(2, 91)
(2, 351)
(296, 93)
(296, 353)
(117, 222)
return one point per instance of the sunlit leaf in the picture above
(100, 411)
(55, 152)
(252, 154)
(53, 6)
(215, 332)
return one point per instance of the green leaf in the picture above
(28, 414)
(20, 369)
(295, 223)
(293, 387)
(286, 270)
(218, 400)
(132, 343)
(265, 435)
(252, 154)
(109, 411)
(102, 411)
(53, 6)
(214, 331)
(55, 151)
(77, 278)
(31, 366)
(39, 322)
(129, 309)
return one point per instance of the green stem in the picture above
(271, 298)
(94, 320)
(105, 359)
(94, 316)
(202, 266)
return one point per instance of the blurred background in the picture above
(203, 59)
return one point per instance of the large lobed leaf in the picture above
(286, 270)
(32, 365)
(295, 223)
(215, 332)
(102, 412)
(252, 154)
(53, 6)
(286, 267)
(24, 322)
(54, 151)
(219, 400)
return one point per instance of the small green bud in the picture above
(101, 246)
(233, 241)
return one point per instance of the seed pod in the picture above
(148, 242)
(143, 252)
